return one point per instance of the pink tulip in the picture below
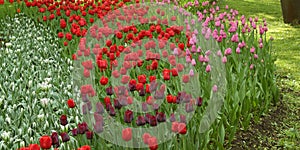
(208, 68)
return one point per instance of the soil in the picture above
(264, 135)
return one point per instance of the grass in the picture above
(286, 46)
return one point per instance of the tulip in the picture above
(71, 103)
(182, 119)
(152, 142)
(45, 142)
(117, 104)
(189, 107)
(140, 121)
(109, 91)
(98, 127)
(74, 132)
(63, 120)
(65, 137)
(127, 134)
(103, 80)
(182, 128)
(128, 116)
(161, 117)
(145, 137)
(34, 147)
(152, 120)
(89, 135)
(172, 117)
(55, 139)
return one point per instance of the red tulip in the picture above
(103, 80)
(182, 128)
(65, 43)
(174, 72)
(71, 103)
(51, 17)
(108, 43)
(142, 78)
(45, 142)
(34, 147)
(145, 137)
(127, 134)
(119, 35)
(185, 78)
(63, 23)
(1, 2)
(166, 75)
(85, 147)
(152, 142)
(125, 79)
(68, 36)
(60, 35)
(169, 99)
(174, 127)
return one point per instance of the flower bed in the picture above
(168, 77)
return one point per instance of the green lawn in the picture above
(286, 47)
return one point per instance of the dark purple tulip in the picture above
(84, 109)
(159, 95)
(117, 104)
(152, 121)
(74, 132)
(147, 116)
(55, 139)
(122, 100)
(111, 111)
(81, 128)
(155, 107)
(63, 120)
(132, 87)
(182, 118)
(107, 106)
(199, 101)
(99, 108)
(65, 137)
(98, 117)
(84, 98)
(187, 98)
(179, 97)
(140, 121)
(109, 91)
(153, 86)
(121, 90)
(128, 116)
(142, 92)
(84, 124)
(161, 117)
(89, 135)
(172, 118)
(189, 107)
(144, 106)
(98, 127)
(89, 105)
